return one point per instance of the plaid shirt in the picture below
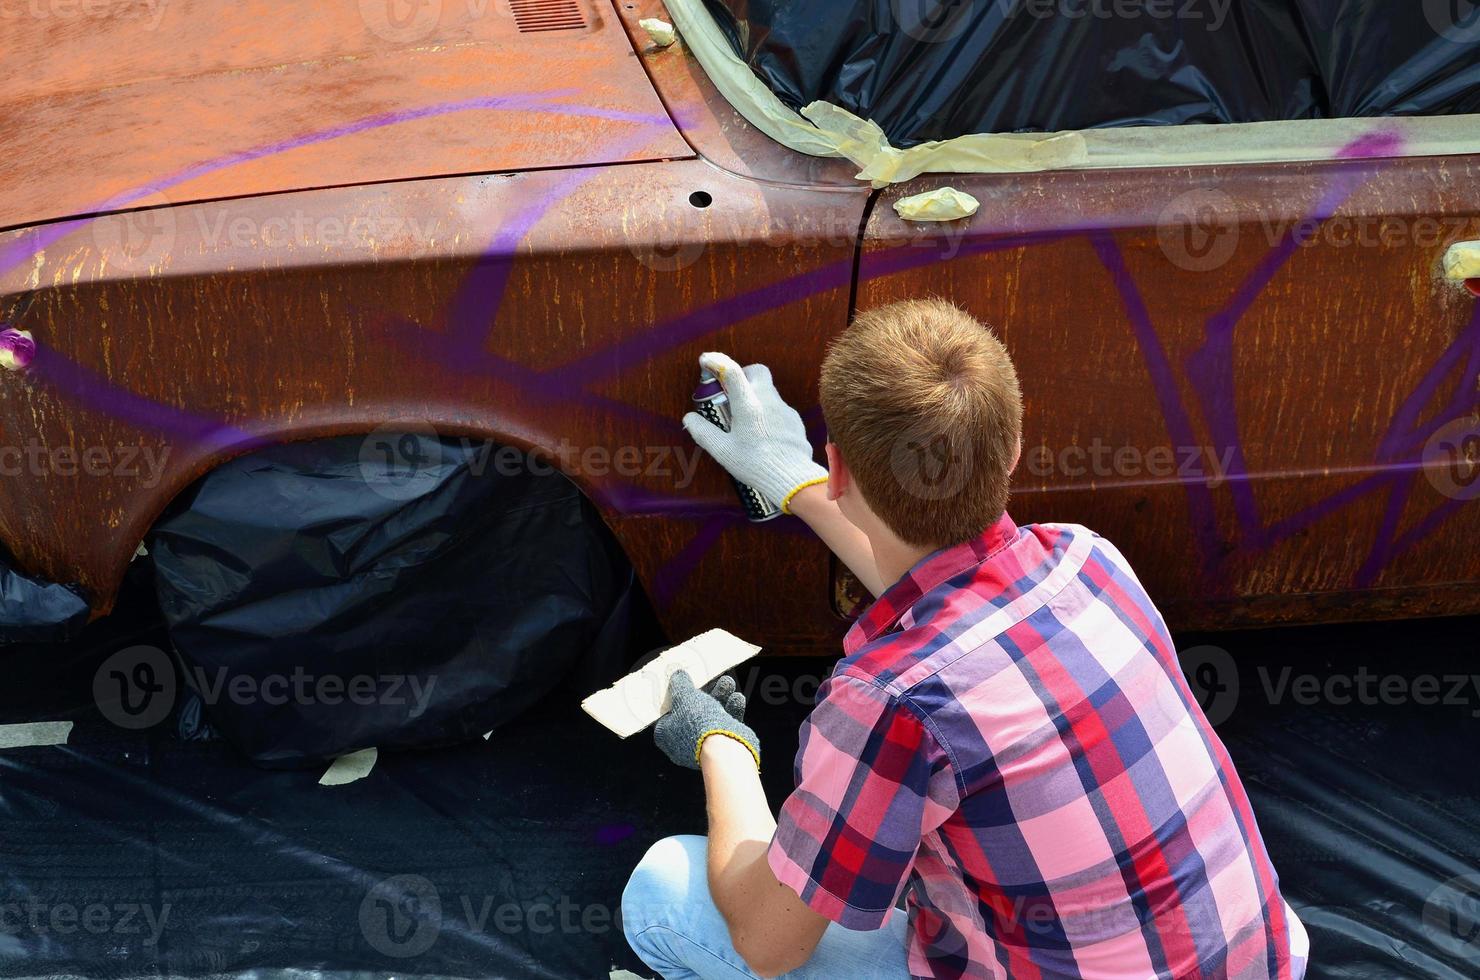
(1009, 733)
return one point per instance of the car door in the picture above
(1257, 380)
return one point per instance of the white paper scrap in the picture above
(348, 768)
(35, 733)
(639, 699)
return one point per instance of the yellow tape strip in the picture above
(826, 130)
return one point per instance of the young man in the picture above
(1008, 738)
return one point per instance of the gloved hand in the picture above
(766, 447)
(696, 715)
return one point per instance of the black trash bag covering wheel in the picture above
(394, 591)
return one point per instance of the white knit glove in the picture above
(766, 447)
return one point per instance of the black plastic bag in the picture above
(937, 69)
(397, 591)
(35, 611)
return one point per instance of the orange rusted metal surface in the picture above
(549, 278)
(561, 310)
(187, 100)
(1243, 376)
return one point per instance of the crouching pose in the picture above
(1006, 775)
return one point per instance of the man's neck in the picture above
(894, 557)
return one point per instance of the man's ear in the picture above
(1016, 459)
(837, 473)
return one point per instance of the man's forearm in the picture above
(769, 925)
(740, 820)
(840, 534)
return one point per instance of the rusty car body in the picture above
(232, 225)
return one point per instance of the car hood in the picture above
(125, 104)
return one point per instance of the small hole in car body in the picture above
(701, 199)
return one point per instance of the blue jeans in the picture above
(672, 923)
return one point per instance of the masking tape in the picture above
(941, 204)
(348, 768)
(826, 130)
(1462, 261)
(660, 31)
(35, 733)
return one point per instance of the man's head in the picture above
(924, 418)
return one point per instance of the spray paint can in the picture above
(711, 402)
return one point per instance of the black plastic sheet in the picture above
(397, 591)
(937, 69)
(1370, 810)
(135, 855)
